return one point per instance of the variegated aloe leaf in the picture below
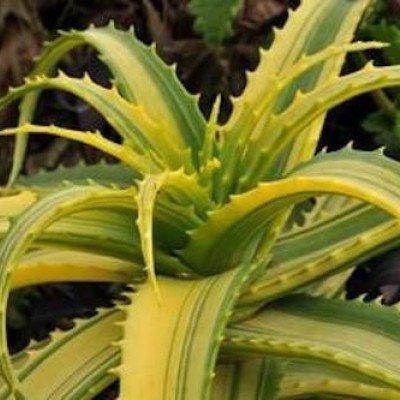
(107, 232)
(145, 136)
(339, 241)
(102, 173)
(27, 228)
(244, 140)
(137, 162)
(111, 232)
(140, 76)
(307, 108)
(233, 233)
(85, 375)
(338, 20)
(301, 379)
(177, 356)
(51, 265)
(367, 342)
(256, 379)
(185, 198)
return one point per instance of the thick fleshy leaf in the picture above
(138, 130)
(137, 162)
(233, 232)
(49, 266)
(87, 371)
(256, 379)
(327, 243)
(102, 173)
(334, 241)
(146, 198)
(330, 23)
(26, 228)
(315, 26)
(355, 336)
(171, 346)
(140, 76)
(112, 232)
(307, 108)
(302, 379)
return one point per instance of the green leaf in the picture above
(303, 379)
(389, 33)
(112, 232)
(138, 130)
(87, 371)
(251, 380)
(330, 25)
(48, 266)
(175, 343)
(140, 76)
(355, 336)
(330, 22)
(232, 234)
(27, 227)
(305, 110)
(138, 163)
(213, 20)
(102, 173)
(338, 241)
(146, 198)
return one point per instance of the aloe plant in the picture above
(234, 295)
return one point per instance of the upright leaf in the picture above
(315, 25)
(171, 347)
(234, 233)
(140, 76)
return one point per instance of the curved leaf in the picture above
(49, 266)
(88, 371)
(356, 336)
(303, 379)
(27, 227)
(177, 356)
(145, 199)
(331, 23)
(138, 163)
(340, 240)
(251, 380)
(242, 137)
(140, 76)
(112, 232)
(307, 108)
(146, 136)
(102, 173)
(233, 232)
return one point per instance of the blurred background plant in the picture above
(383, 24)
